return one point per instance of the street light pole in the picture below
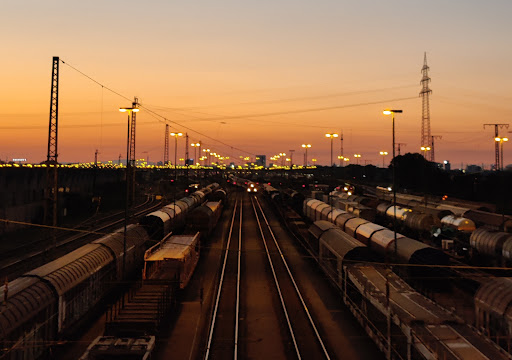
(306, 146)
(392, 113)
(195, 146)
(332, 136)
(425, 149)
(501, 140)
(128, 110)
(175, 134)
(383, 153)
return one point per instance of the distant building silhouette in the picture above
(473, 168)
(261, 160)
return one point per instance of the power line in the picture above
(100, 84)
(299, 111)
(220, 118)
(165, 120)
(317, 97)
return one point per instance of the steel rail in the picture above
(299, 294)
(276, 281)
(238, 276)
(221, 280)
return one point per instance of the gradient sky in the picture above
(261, 76)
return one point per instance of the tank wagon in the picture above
(459, 224)
(380, 300)
(482, 214)
(492, 243)
(378, 238)
(420, 221)
(491, 221)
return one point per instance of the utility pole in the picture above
(496, 143)
(432, 155)
(186, 150)
(398, 146)
(186, 159)
(95, 172)
(425, 113)
(52, 188)
(119, 160)
(341, 148)
(166, 145)
(291, 157)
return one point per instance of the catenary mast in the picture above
(51, 213)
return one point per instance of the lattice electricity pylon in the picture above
(51, 212)
(426, 138)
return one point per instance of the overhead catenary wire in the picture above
(302, 98)
(165, 120)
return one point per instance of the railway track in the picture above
(308, 342)
(259, 308)
(36, 253)
(223, 332)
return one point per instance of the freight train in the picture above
(140, 315)
(43, 305)
(248, 185)
(446, 225)
(403, 323)
(392, 246)
(492, 297)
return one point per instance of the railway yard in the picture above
(243, 268)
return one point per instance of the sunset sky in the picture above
(261, 76)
